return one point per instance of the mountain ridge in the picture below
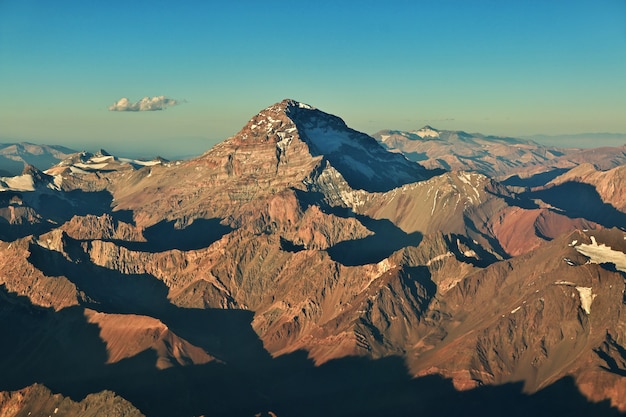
(501, 158)
(299, 260)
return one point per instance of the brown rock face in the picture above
(297, 265)
(610, 184)
(145, 333)
(284, 146)
(38, 400)
(534, 319)
(514, 161)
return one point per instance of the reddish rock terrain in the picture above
(297, 265)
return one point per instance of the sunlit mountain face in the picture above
(301, 267)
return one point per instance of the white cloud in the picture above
(145, 104)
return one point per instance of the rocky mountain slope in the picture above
(610, 184)
(15, 156)
(297, 265)
(519, 162)
(38, 400)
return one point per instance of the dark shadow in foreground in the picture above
(164, 236)
(536, 180)
(43, 212)
(385, 240)
(64, 352)
(578, 200)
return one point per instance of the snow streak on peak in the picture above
(304, 106)
(427, 132)
(360, 159)
(294, 103)
(601, 253)
(286, 106)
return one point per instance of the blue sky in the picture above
(496, 67)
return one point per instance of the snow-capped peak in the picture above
(304, 106)
(427, 132)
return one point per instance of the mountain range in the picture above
(301, 267)
(15, 156)
(512, 160)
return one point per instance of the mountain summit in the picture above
(288, 145)
(265, 274)
(427, 132)
(296, 129)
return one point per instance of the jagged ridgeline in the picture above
(302, 268)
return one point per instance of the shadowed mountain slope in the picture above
(297, 265)
(527, 163)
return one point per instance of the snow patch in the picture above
(383, 266)
(434, 203)
(569, 262)
(141, 163)
(439, 258)
(283, 143)
(91, 166)
(98, 159)
(426, 132)
(599, 254)
(467, 178)
(586, 298)
(76, 170)
(19, 183)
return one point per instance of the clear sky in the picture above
(496, 67)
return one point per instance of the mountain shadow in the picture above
(517, 200)
(612, 364)
(387, 239)
(493, 242)
(485, 258)
(579, 200)
(363, 162)
(536, 180)
(164, 236)
(289, 246)
(63, 351)
(47, 211)
(416, 156)
(62, 207)
(217, 331)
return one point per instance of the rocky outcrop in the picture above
(517, 162)
(535, 319)
(299, 256)
(38, 400)
(609, 184)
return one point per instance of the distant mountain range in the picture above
(302, 268)
(497, 157)
(581, 140)
(15, 156)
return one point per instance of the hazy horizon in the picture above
(191, 147)
(142, 75)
